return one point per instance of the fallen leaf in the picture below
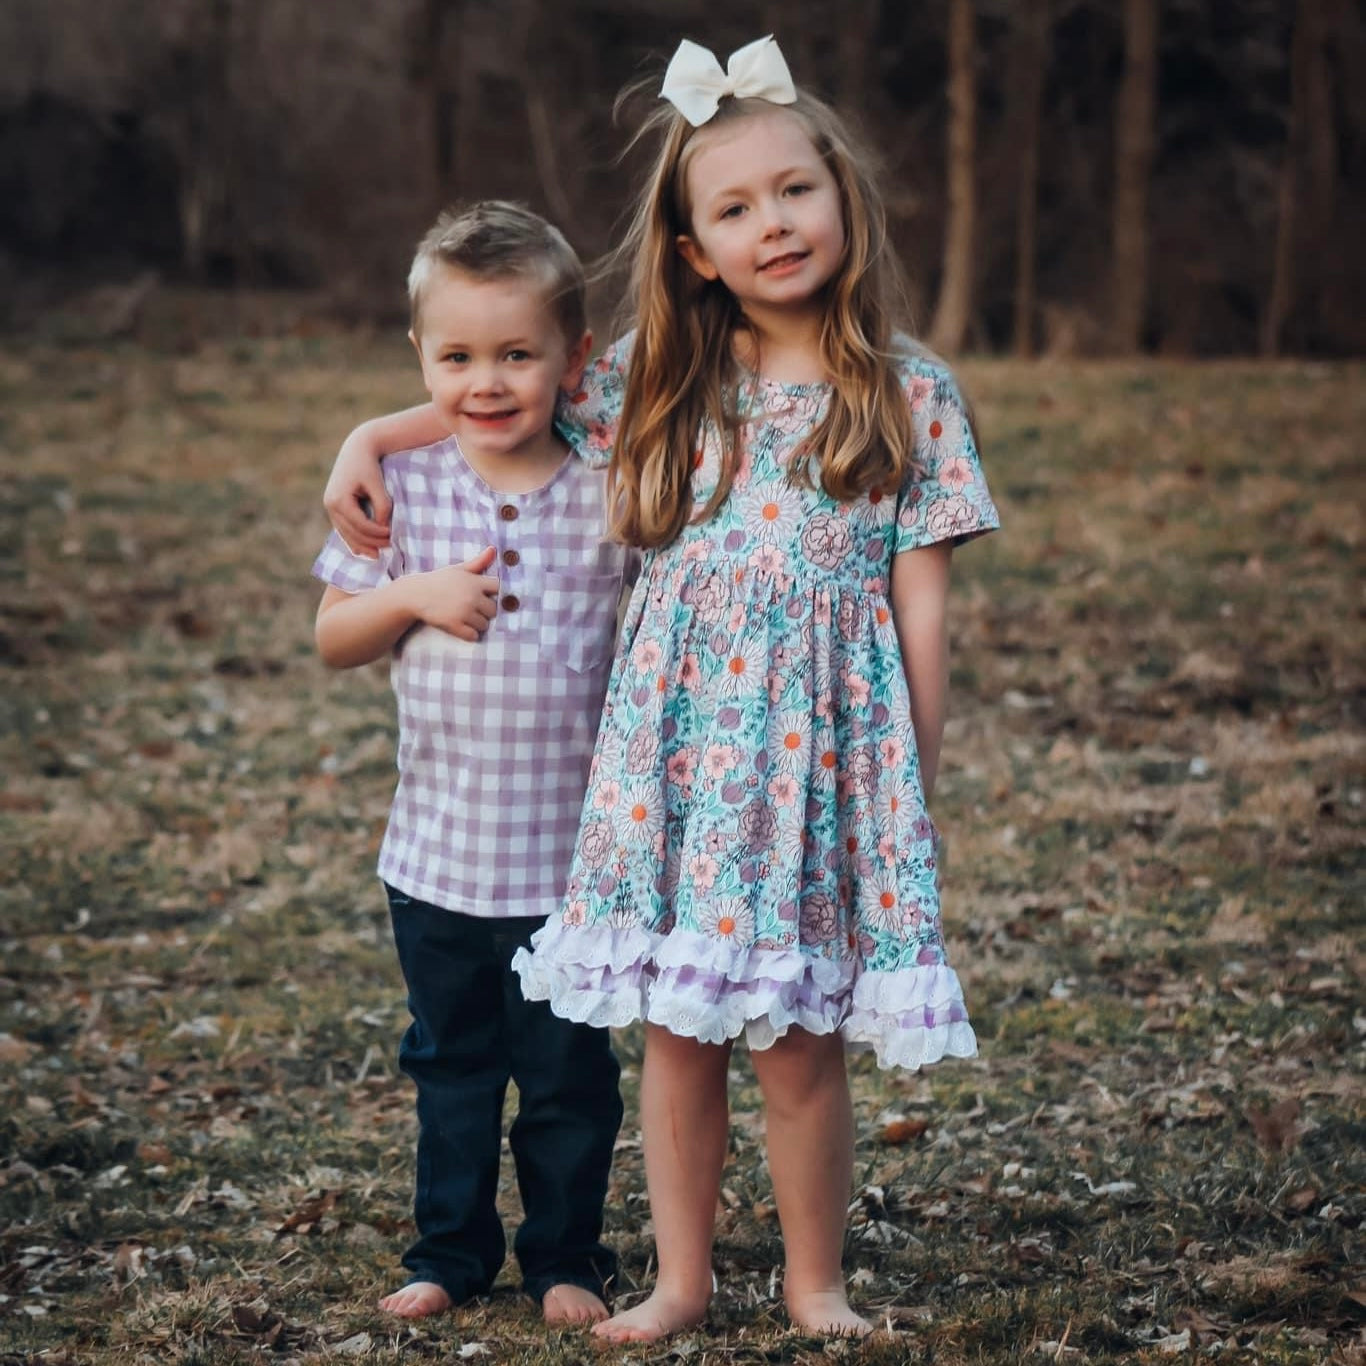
(1275, 1128)
(308, 1214)
(903, 1130)
(1302, 1199)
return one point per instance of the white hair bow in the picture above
(695, 84)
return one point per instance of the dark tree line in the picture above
(1065, 176)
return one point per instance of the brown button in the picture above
(511, 557)
(507, 512)
(511, 602)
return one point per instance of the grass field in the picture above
(1153, 800)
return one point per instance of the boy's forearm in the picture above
(363, 627)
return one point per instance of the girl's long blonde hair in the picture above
(682, 374)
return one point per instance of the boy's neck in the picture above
(523, 471)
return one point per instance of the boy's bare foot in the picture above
(566, 1303)
(653, 1318)
(417, 1301)
(826, 1311)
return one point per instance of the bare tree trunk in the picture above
(1031, 55)
(437, 67)
(1135, 144)
(1281, 300)
(954, 308)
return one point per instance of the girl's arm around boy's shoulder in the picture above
(945, 498)
(357, 481)
(588, 417)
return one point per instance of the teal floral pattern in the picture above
(755, 850)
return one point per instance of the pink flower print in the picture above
(768, 562)
(826, 540)
(819, 918)
(918, 389)
(856, 688)
(739, 614)
(777, 685)
(825, 706)
(689, 673)
(820, 609)
(703, 870)
(682, 768)
(700, 549)
(886, 848)
(909, 515)
(646, 655)
(912, 915)
(719, 760)
(575, 913)
(892, 752)
(595, 843)
(783, 789)
(956, 473)
(607, 795)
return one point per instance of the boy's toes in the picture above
(417, 1300)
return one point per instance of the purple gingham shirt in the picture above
(496, 735)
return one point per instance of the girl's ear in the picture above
(576, 360)
(691, 251)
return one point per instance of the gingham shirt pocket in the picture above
(578, 618)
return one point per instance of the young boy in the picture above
(497, 599)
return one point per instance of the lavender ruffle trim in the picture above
(698, 987)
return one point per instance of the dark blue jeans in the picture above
(472, 1030)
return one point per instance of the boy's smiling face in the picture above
(494, 359)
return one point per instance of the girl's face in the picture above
(765, 213)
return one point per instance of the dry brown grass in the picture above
(1154, 802)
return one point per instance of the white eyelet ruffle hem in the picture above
(701, 988)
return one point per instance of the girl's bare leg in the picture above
(684, 1125)
(810, 1123)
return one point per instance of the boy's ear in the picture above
(692, 253)
(574, 365)
(422, 360)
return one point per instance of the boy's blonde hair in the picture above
(496, 239)
(682, 372)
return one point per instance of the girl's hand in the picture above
(461, 599)
(355, 498)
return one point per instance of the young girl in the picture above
(755, 855)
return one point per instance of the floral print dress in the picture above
(754, 850)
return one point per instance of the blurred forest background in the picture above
(1067, 177)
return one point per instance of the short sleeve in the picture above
(946, 497)
(338, 566)
(588, 419)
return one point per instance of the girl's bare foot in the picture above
(567, 1304)
(653, 1318)
(417, 1301)
(825, 1311)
